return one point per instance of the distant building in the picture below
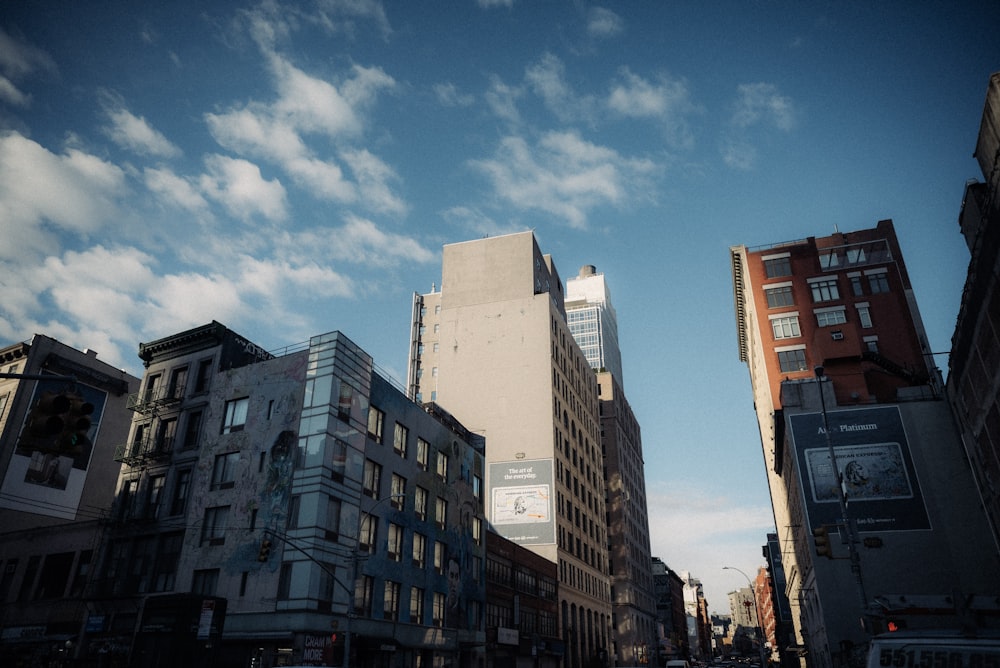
(670, 613)
(297, 507)
(851, 407)
(776, 611)
(56, 488)
(494, 348)
(593, 323)
(974, 364)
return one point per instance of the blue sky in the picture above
(291, 169)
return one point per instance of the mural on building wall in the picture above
(873, 460)
(44, 477)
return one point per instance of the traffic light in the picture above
(265, 550)
(821, 535)
(76, 425)
(45, 421)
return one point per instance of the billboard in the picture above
(873, 465)
(521, 507)
(45, 481)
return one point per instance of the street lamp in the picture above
(354, 576)
(760, 624)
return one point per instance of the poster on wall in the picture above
(49, 481)
(521, 501)
(872, 462)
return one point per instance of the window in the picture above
(416, 605)
(368, 533)
(441, 513)
(399, 437)
(390, 603)
(376, 420)
(285, 582)
(871, 344)
(192, 430)
(332, 518)
(792, 360)
(435, 347)
(363, 593)
(205, 582)
(372, 478)
(827, 317)
(327, 576)
(439, 557)
(292, 520)
(864, 315)
(395, 542)
(338, 462)
(204, 376)
(785, 327)
(824, 290)
(778, 266)
(178, 382)
(165, 435)
(423, 453)
(152, 388)
(79, 582)
(236, 415)
(181, 486)
(3, 404)
(420, 502)
(155, 496)
(442, 466)
(398, 491)
(213, 528)
(477, 487)
(477, 530)
(878, 282)
(419, 550)
(779, 296)
(224, 471)
(857, 288)
(438, 611)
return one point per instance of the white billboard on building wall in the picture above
(521, 507)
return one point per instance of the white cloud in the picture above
(274, 131)
(238, 185)
(74, 191)
(19, 59)
(702, 533)
(762, 103)
(668, 101)
(563, 175)
(134, 133)
(603, 23)
(488, 4)
(738, 154)
(449, 96)
(373, 177)
(547, 79)
(502, 100)
(175, 190)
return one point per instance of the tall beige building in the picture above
(493, 348)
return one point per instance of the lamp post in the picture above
(760, 625)
(354, 576)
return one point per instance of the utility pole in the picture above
(846, 525)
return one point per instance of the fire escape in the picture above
(152, 436)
